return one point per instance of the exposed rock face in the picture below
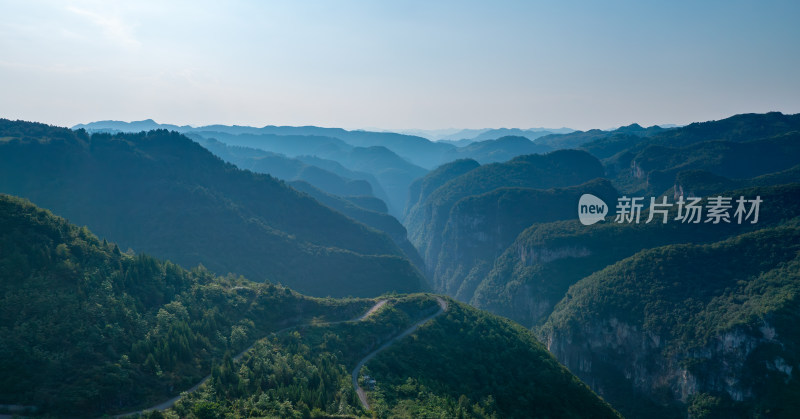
(603, 351)
(428, 219)
(462, 226)
(421, 188)
(689, 328)
(526, 302)
(419, 215)
(532, 255)
(480, 228)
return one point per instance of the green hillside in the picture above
(421, 188)
(444, 369)
(426, 222)
(462, 225)
(481, 227)
(535, 271)
(708, 328)
(653, 169)
(737, 128)
(704, 183)
(161, 193)
(88, 330)
(502, 371)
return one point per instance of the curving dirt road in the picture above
(362, 395)
(171, 402)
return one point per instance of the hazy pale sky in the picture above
(410, 64)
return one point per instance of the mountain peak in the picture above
(629, 128)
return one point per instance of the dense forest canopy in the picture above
(162, 193)
(660, 319)
(88, 330)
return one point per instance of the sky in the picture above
(398, 65)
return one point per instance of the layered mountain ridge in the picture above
(162, 193)
(91, 331)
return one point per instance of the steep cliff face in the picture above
(421, 188)
(528, 279)
(704, 183)
(653, 169)
(471, 215)
(417, 214)
(481, 227)
(633, 367)
(534, 272)
(658, 331)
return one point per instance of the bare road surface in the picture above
(362, 396)
(171, 402)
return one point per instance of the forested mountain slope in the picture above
(517, 250)
(536, 270)
(428, 220)
(287, 168)
(162, 193)
(711, 329)
(463, 363)
(88, 330)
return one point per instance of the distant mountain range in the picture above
(505, 237)
(470, 135)
(661, 319)
(416, 150)
(163, 193)
(430, 218)
(397, 159)
(289, 169)
(391, 160)
(452, 134)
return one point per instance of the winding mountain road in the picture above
(362, 395)
(171, 402)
